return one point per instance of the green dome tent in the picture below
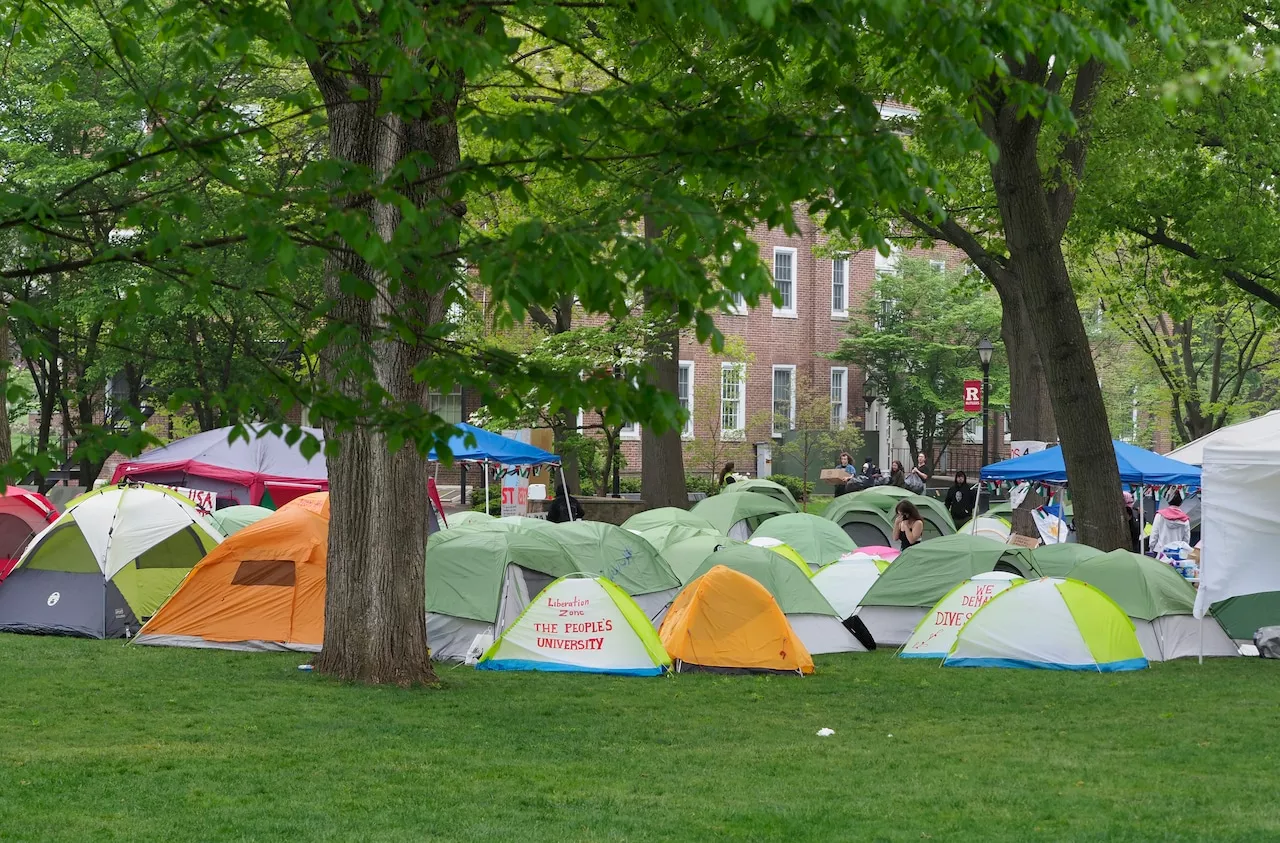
(865, 524)
(818, 540)
(1242, 616)
(937, 521)
(686, 556)
(774, 490)
(924, 574)
(235, 518)
(665, 516)
(669, 534)
(506, 524)
(736, 516)
(1158, 601)
(1055, 560)
(459, 519)
(622, 557)
(479, 581)
(815, 622)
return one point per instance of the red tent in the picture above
(23, 515)
(266, 470)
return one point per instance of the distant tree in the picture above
(713, 442)
(915, 340)
(816, 438)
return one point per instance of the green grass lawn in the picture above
(104, 742)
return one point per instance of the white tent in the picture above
(845, 582)
(1240, 522)
(937, 631)
(1264, 429)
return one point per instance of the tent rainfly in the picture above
(818, 540)
(580, 624)
(23, 515)
(623, 558)
(737, 516)
(262, 470)
(937, 631)
(774, 490)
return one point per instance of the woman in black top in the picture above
(908, 526)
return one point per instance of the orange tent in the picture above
(317, 502)
(725, 621)
(261, 589)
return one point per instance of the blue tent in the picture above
(490, 447)
(1136, 466)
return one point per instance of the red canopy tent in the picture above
(266, 470)
(23, 515)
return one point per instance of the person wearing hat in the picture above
(1135, 529)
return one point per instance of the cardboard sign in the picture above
(972, 396)
(1023, 541)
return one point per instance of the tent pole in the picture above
(567, 505)
(1142, 520)
(486, 487)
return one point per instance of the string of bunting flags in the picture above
(1048, 489)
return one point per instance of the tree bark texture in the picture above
(375, 609)
(1036, 261)
(662, 478)
(6, 361)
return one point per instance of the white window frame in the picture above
(630, 431)
(787, 312)
(971, 433)
(436, 401)
(843, 419)
(938, 265)
(841, 312)
(734, 433)
(739, 306)
(773, 399)
(888, 265)
(687, 432)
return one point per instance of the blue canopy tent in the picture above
(477, 445)
(1138, 467)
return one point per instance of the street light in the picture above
(985, 348)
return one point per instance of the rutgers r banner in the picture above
(972, 396)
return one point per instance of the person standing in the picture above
(960, 500)
(726, 476)
(908, 526)
(918, 478)
(897, 477)
(1135, 529)
(846, 465)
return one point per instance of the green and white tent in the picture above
(864, 523)
(686, 556)
(938, 629)
(1055, 560)
(845, 582)
(107, 564)
(815, 622)
(738, 515)
(922, 575)
(623, 558)
(1159, 602)
(664, 536)
(989, 527)
(1049, 624)
(478, 581)
(580, 624)
(665, 516)
(774, 490)
(818, 540)
(937, 521)
(232, 519)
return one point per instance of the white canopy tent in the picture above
(1262, 429)
(1240, 524)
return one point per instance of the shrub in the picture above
(495, 498)
(699, 483)
(798, 488)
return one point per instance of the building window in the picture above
(840, 287)
(938, 266)
(784, 280)
(448, 406)
(630, 430)
(733, 399)
(888, 265)
(839, 396)
(684, 391)
(784, 399)
(973, 431)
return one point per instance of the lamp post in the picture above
(617, 445)
(985, 348)
(869, 395)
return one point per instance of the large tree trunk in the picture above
(662, 480)
(375, 609)
(1036, 260)
(1030, 411)
(565, 425)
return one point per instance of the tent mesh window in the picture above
(269, 572)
